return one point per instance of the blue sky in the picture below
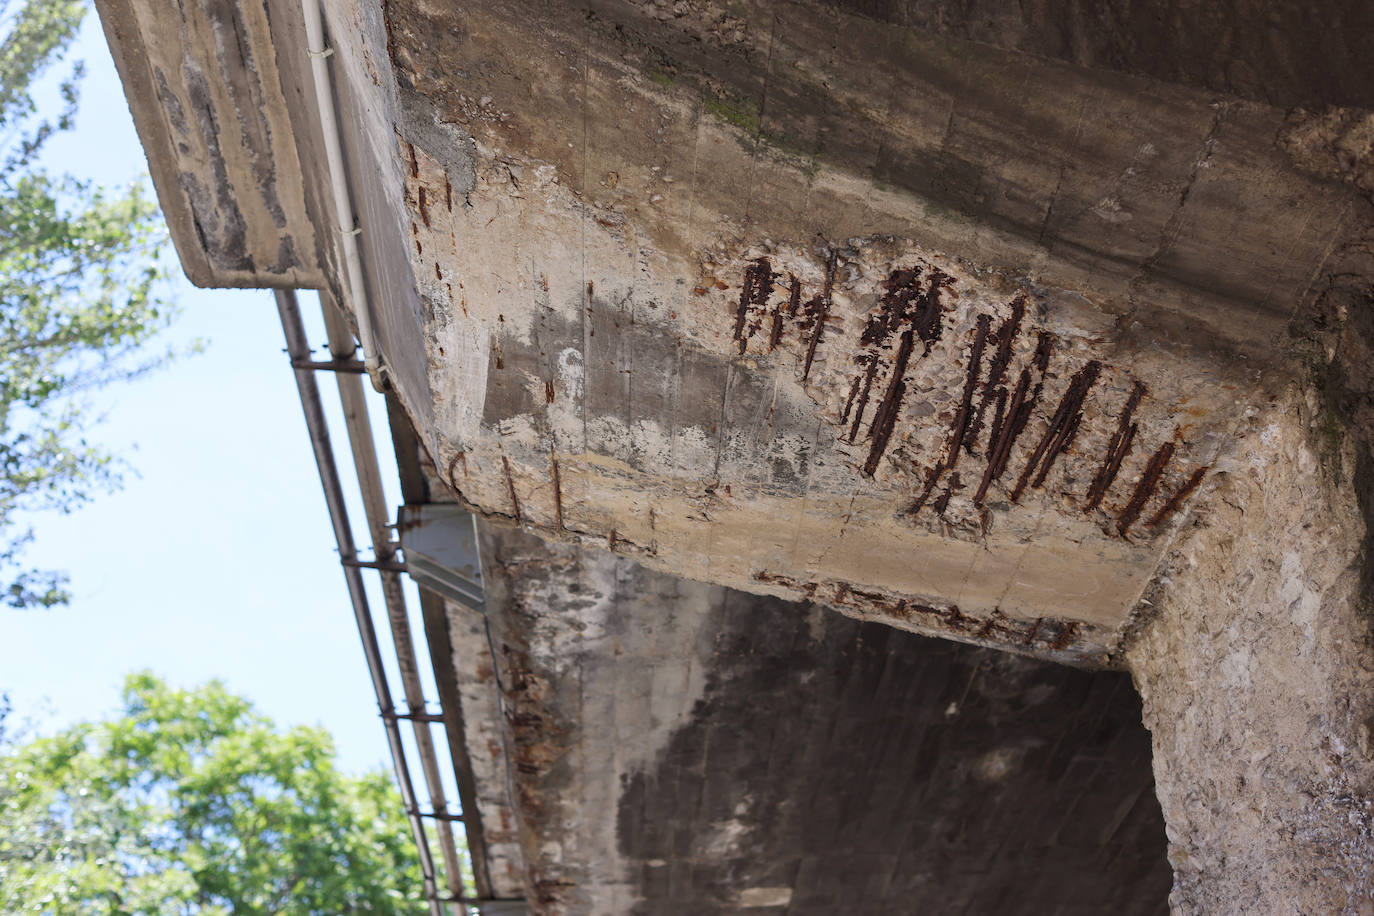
(216, 559)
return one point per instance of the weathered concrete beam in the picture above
(802, 303)
(784, 297)
(215, 89)
(902, 311)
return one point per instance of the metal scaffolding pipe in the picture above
(338, 182)
(299, 351)
(360, 439)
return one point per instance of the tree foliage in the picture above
(81, 292)
(190, 802)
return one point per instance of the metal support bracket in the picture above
(330, 365)
(440, 546)
(385, 565)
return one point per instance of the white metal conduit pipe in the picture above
(360, 440)
(338, 180)
(299, 351)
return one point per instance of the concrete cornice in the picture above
(209, 91)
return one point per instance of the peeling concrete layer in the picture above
(210, 101)
(1257, 670)
(679, 748)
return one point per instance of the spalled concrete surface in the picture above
(944, 335)
(888, 308)
(1257, 671)
(486, 744)
(679, 748)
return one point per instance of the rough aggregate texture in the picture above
(1256, 666)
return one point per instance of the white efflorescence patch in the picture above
(570, 373)
(753, 897)
(460, 381)
(1303, 603)
(997, 765)
(1235, 669)
(723, 840)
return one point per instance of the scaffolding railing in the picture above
(389, 565)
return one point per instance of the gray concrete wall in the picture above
(681, 748)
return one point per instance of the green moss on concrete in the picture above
(737, 111)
